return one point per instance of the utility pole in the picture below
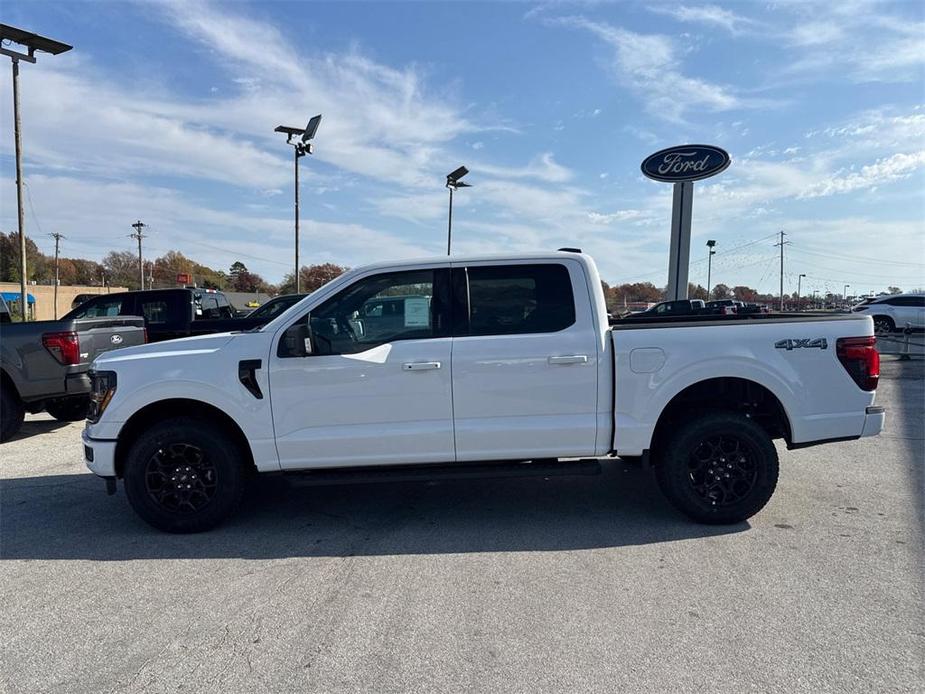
(57, 237)
(782, 243)
(799, 286)
(138, 226)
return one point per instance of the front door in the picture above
(375, 387)
(525, 362)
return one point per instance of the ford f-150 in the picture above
(475, 363)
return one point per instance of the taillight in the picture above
(65, 347)
(146, 334)
(861, 360)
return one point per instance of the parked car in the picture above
(679, 307)
(724, 306)
(44, 364)
(893, 312)
(511, 360)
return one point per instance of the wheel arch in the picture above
(172, 408)
(726, 393)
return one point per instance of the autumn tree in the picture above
(121, 269)
(37, 267)
(311, 277)
(696, 291)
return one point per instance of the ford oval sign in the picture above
(687, 163)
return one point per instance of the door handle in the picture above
(420, 365)
(569, 359)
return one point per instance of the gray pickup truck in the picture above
(44, 364)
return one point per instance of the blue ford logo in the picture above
(686, 163)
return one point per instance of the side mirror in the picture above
(297, 340)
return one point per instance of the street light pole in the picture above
(453, 183)
(300, 148)
(799, 278)
(295, 157)
(449, 223)
(845, 293)
(20, 216)
(32, 43)
(710, 244)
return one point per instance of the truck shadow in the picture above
(34, 427)
(69, 517)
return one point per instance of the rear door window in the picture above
(519, 299)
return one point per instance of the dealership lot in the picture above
(567, 584)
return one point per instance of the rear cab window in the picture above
(518, 299)
(100, 307)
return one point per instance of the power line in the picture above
(856, 259)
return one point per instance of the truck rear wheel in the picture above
(68, 409)
(12, 412)
(718, 468)
(184, 475)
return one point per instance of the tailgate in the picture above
(99, 335)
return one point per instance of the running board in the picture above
(451, 471)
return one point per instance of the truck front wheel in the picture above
(718, 468)
(184, 475)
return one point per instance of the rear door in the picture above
(524, 361)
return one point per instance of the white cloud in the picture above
(647, 64)
(542, 167)
(706, 14)
(885, 170)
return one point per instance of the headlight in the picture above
(102, 388)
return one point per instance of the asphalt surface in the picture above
(515, 585)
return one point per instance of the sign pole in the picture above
(680, 254)
(682, 166)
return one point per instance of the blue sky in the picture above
(165, 112)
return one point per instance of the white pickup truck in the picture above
(478, 363)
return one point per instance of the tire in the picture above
(184, 475)
(12, 412)
(884, 324)
(694, 468)
(68, 409)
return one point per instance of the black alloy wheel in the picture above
(181, 478)
(718, 467)
(722, 469)
(185, 474)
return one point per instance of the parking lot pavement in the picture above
(513, 585)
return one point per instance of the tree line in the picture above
(120, 269)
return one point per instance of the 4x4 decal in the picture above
(808, 343)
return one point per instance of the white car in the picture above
(895, 312)
(477, 364)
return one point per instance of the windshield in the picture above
(274, 307)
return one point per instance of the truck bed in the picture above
(737, 319)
